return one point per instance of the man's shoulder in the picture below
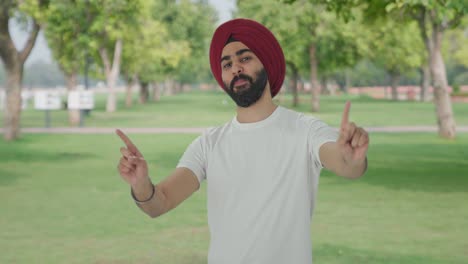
(298, 117)
(211, 134)
(213, 130)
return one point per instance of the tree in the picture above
(13, 59)
(148, 54)
(434, 17)
(313, 39)
(65, 31)
(152, 51)
(196, 21)
(340, 46)
(111, 21)
(397, 48)
(191, 22)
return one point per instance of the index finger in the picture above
(345, 117)
(127, 141)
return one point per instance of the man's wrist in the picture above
(354, 169)
(143, 191)
(360, 167)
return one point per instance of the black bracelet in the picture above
(144, 201)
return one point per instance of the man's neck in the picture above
(259, 111)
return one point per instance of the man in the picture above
(262, 167)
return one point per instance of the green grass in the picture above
(215, 107)
(63, 202)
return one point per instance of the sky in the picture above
(41, 51)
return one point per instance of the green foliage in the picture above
(149, 50)
(26, 13)
(77, 29)
(111, 19)
(43, 75)
(301, 24)
(455, 48)
(35, 9)
(283, 21)
(340, 45)
(395, 46)
(190, 23)
(461, 79)
(446, 13)
(366, 73)
(67, 25)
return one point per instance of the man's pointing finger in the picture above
(345, 117)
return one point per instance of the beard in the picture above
(249, 93)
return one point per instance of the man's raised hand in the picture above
(353, 141)
(132, 165)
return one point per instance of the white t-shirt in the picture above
(262, 179)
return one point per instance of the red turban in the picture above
(259, 40)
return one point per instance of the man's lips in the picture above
(240, 82)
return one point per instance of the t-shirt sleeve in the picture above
(194, 158)
(320, 133)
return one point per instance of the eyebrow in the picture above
(238, 53)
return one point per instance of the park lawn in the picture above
(211, 108)
(63, 202)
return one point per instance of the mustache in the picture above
(240, 77)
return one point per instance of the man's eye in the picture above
(227, 65)
(245, 59)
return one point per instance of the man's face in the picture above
(243, 74)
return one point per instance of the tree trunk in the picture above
(347, 81)
(300, 86)
(425, 68)
(169, 87)
(156, 92)
(13, 62)
(293, 84)
(73, 114)
(294, 89)
(324, 86)
(425, 82)
(394, 81)
(144, 92)
(12, 113)
(178, 87)
(111, 104)
(443, 103)
(315, 87)
(131, 81)
(128, 94)
(112, 73)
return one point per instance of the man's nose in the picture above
(237, 69)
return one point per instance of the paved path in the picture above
(197, 130)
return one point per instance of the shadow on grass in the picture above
(10, 160)
(8, 177)
(328, 253)
(26, 155)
